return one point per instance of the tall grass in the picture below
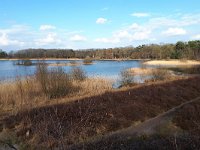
(54, 83)
(46, 85)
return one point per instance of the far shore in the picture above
(40, 59)
(122, 59)
(172, 63)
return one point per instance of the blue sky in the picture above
(80, 24)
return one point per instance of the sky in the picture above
(81, 24)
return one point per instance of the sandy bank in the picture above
(172, 63)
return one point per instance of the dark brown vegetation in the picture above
(62, 125)
(155, 142)
(189, 118)
(187, 70)
(186, 120)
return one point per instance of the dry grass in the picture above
(141, 71)
(174, 63)
(20, 94)
(93, 86)
(27, 94)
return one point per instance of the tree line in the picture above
(3, 54)
(180, 50)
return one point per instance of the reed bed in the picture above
(49, 87)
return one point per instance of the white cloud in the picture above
(51, 38)
(175, 20)
(196, 37)
(174, 32)
(131, 33)
(101, 20)
(47, 27)
(5, 41)
(139, 15)
(134, 26)
(78, 38)
(141, 35)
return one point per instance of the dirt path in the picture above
(148, 127)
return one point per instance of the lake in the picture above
(109, 69)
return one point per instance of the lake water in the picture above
(109, 69)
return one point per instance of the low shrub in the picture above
(77, 73)
(160, 74)
(54, 83)
(126, 78)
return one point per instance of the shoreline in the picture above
(12, 59)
